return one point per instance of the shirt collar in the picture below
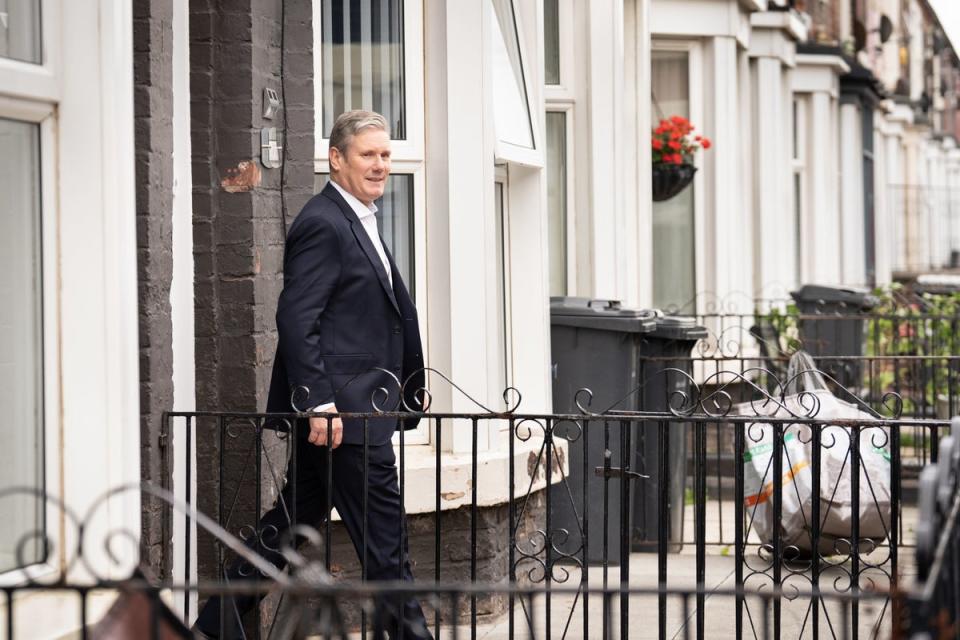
(362, 210)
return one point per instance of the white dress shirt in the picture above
(369, 221)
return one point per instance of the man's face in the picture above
(364, 168)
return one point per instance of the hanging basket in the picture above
(671, 179)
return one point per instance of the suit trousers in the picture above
(381, 546)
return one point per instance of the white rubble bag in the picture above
(808, 394)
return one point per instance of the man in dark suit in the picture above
(348, 332)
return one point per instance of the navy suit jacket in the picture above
(338, 320)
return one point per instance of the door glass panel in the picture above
(362, 54)
(395, 222)
(20, 30)
(674, 267)
(21, 347)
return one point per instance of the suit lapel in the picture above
(399, 286)
(364, 240)
(361, 234)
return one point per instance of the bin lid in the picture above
(678, 328)
(851, 296)
(604, 315)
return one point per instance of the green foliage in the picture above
(912, 344)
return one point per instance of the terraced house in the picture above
(157, 151)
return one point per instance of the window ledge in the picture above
(493, 473)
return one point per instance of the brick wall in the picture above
(153, 112)
(235, 51)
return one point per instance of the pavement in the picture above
(566, 618)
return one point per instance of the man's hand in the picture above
(319, 429)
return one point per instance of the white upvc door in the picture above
(68, 341)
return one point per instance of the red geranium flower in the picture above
(673, 141)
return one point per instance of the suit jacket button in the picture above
(396, 330)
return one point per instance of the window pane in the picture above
(511, 110)
(674, 274)
(557, 200)
(395, 222)
(20, 30)
(21, 348)
(551, 41)
(362, 60)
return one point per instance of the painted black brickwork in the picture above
(235, 51)
(153, 112)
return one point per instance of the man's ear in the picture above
(336, 158)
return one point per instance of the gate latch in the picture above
(618, 472)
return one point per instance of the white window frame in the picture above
(89, 283)
(502, 177)
(565, 88)
(561, 98)
(44, 115)
(30, 93)
(410, 149)
(505, 152)
(694, 51)
(800, 168)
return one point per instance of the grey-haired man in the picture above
(347, 327)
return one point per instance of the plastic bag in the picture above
(809, 394)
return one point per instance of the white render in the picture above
(816, 82)
(853, 262)
(777, 246)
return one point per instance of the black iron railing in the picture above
(584, 491)
(907, 348)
